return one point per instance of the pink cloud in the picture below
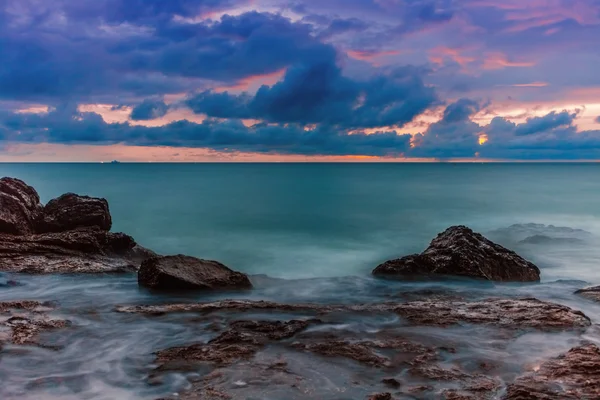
(498, 60)
(253, 83)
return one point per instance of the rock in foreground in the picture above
(574, 375)
(505, 313)
(19, 207)
(71, 211)
(189, 273)
(459, 251)
(25, 320)
(69, 235)
(592, 293)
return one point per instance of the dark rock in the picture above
(19, 207)
(25, 320)
(517, 233)
(71, 211)
(381, 396)
(574, 375)
(76, 251)
(241, 341)
(391, 382)
(506, 313)
(592, 293)
(189, 273)
(459, 251)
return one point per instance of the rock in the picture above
(76, 251)
(391, 382)
(25, 320)
(189, 273)
(574, 375)
(241, 341)
(19, 207)
(543, 239)
(459, 251)
(592, 293)
(71, 211)
(538, 233)
(381, 396)
(505, 313)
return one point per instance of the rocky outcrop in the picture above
(19, 207)
(460, 252)
(25, 320)
(571, 376)
(189, 273)
(69, 235)
(592, 293)
(241, 341)
(505, 313)
(71, 211)
(78, 251)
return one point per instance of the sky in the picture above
(299, 80)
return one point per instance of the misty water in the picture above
(306, 233)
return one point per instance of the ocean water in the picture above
(320, 229)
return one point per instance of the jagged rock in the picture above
(71, 211)
(69, 235)
(459, 251)
(391, 382)
(241, 341)
(543, 239)
(571, 376)
(538, 233)
(25, 320)
(19, 207)
(189, 273)
(76, 251)
(592, 293)
(506, 313)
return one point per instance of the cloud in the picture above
(320, 94)
(149, 109)
(545, 123)
(597, 120)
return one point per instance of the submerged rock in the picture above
(189, 273)
(506, 313)
(71, 211)
(241, 341)
(69, 235)
(459, 251)
(19, 207)
(574, 375)
(592, 293)
(25, 320)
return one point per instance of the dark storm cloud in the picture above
(148, 109)
(320, 94)
(68, 126)
(597, 120)
(545, 123)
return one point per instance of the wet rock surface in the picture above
(181, 272)
(71, 211)
(459, 251)
(573, 375)
(508, 313)
(592, 293)
(77, 251)
(241, 341)
(23, 321)
(19, 207)
(69, 235)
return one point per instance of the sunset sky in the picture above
(299, 80)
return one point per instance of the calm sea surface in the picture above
(321, 227)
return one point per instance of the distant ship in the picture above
(115, 162)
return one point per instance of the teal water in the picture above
(321, 227)
(318, 220)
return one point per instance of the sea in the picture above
(305, 232)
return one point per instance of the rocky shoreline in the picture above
(71, 235)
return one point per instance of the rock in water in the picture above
(571, 376)
(189, 273)
(459, 251)
(592, 293)
(71, 211)
(19, 207)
